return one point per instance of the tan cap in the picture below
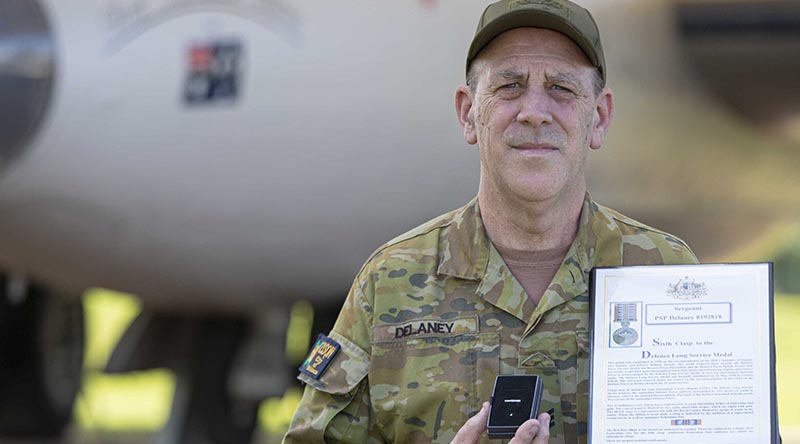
(562, 16)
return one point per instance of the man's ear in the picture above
(603, 113)
(465, 115)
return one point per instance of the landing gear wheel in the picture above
(203, 411)
(41, 357)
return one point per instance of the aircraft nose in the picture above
(27, 68)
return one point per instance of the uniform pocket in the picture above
(540, 355)
(552, 352)
(424, 387)
(574, 378)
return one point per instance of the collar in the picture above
(464, 247)
(466, 252)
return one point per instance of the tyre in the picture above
(41, 357)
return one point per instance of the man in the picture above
(499, 286)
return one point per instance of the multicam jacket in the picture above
(434, 315)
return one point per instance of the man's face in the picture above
(534, 113)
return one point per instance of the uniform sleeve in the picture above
(336, 407)
(677, 252)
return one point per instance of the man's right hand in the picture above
(532, 431)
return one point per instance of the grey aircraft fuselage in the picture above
(232, 155)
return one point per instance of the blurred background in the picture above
(188, 187)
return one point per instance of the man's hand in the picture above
(532, 431)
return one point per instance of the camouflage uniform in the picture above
(434, 315)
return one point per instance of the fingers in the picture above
(526, 432)
(473, 428)
(533, 431)
(544, 429)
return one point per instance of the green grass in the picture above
(132, 402)
(141, 401)
(787, 333)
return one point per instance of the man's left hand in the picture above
(532, 431)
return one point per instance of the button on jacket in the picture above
(434, 315)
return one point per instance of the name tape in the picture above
(424, 328)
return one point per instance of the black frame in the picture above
(774, 433)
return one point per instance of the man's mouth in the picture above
(535, 148)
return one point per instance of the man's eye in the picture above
(514, 85)
(560, 88)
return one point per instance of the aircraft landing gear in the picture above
(41, 359)
(203, 410)
(201, 351)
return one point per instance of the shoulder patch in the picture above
(320, 356)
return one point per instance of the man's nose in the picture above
(535, 108)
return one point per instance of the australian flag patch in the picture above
(320, 357)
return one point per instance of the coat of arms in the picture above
(687, 289)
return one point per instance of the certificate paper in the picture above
(682, 354)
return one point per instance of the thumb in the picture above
(473, 428)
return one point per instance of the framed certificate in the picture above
(682, 354)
